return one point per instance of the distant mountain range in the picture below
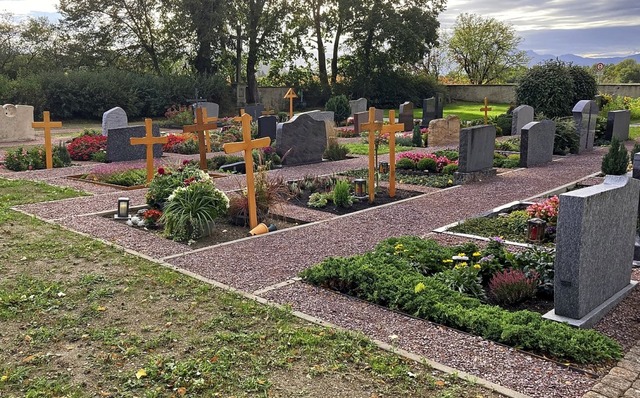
(536, 59)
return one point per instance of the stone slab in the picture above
(119, 148)
(618, 123)
(444, 132)
(114, 118)
(357, 106)
(213, 109)
(432, 108)
(406, 115)
(267, 126)
(476, 148)
(301, 140)
(520, 117)
(254, 110)
(536, 143)
(16, 123)
(585, 113)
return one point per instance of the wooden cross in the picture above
(200, 127)
(486, 109)
(207, 135)
(372, 126)
(290, 95)
(149, 140)
(247, 145)
(268, 112)
(392, 128)
(47, 125)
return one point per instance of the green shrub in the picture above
(616, 161)
(391, 280)
(335, 151)
(450, 168)
(34, 158)
(318, 199)
(540, 261)
(566, 139)
(548, 88)
(416, 138)
(187, 147)
(427, 164)
(450, 154)
(100, 156)
(464, 280)
(166, 180)
(128, 178)
(405, 164)
(511, 145)
(511, 227)
(340, 107)
(342, 195)
(61, 157)
(502, 123)
(634, 150)
(584, 83)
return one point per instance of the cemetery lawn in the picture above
(358, 148)
(634, 132)
(471, 110)
(81, 318)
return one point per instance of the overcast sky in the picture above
(557, 27)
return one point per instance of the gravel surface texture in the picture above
(258, 262)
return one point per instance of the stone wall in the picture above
(506, 93)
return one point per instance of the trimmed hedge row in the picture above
(392, 281)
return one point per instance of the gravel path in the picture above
(263, 261)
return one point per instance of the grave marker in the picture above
(301, 140)
(444, 132)
(618, 123)
(432, 108)
(114, 118)
(585, 119)
(248, 145)
(406, 115)
(536, 143)
(267, 127)
(16, 123)
(149, 140)
(357, 106)
(290, 95)
(486, 109)
(519, 117)
(47, 125)
(476, 154)
(372, 126)
(200, 128)
(213, 109)
(392, 128)
(255, 111)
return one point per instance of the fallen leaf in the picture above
(101, 308)
(141, 373)
(27, 338)
(28, 359)
(182, 391)
(439, 383)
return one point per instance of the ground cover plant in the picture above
(119, 325)
(358, 148)
(430, 281)
(34, 158)
(126, 175)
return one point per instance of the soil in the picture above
(538, 304)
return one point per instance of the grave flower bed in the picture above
(91, 145)
(34, 158)
(186, 144)
(458, 287)
(127, 175)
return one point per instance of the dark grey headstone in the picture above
(267, 127)
(476, 148)
(520, 116)
(406, 115)
(212, 108)
(238, 167)
(536, 143)
(302, 139)
(432, 108)
(357, 106)
(594, 249)
(255, 110)
(119, 148)
(114, 118)
(636, 166)
(326, 116)
(585, 119)
(618, 125)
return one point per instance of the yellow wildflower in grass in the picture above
(419, 287)
(463, 264)
(462, 255)
(447, 260)
(476, 266)
(477, 254)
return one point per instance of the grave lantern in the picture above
(535, 230)
(123, 209)
(360, 188)
(384, 167)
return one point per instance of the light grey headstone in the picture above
(357, 106)
(363, 117)
(585, 119)
(213, 109)
(16, 123)
(254, 110)
(476, 148)
(326, 116)
(406, 115)
(119, 148)
(618, 123)
(594, 249)
(267, 127)
(114, 118)
(521, 115)
(536, 143)
(301, 140)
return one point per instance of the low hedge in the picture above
(393, 281)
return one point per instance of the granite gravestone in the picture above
(363, 117)
(267, 127)
(357, 106)
(585, 119)
(536, 143)
(114, 118)
(406, 115)
(520, 116)
(444, 132)
(255, 110)
(16, 123)
(476, 154)
(432, 108)
(213, 109)
(302, 139)
(594, 250)
(618, 125)
(119, 148)
(327, 117)
(636, 174)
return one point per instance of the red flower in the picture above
(161, 170)
(188, 181)
(185, 162)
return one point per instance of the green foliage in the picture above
(339, 105)
(616, 161)
(186, 147)
(318, 199)
(512, 145)
(464, 280)
(549, 88)
(218, 161)
(100, 156)
(450, 154)
(635, 149)
(538, 260)
(427, 164)
(189, 211)
(566, 139)
(335, 151)
(34, 158)
(342, 195)
(502, 123)
(512, 226)
(584, 83)
(128, 178)
(405, 164)
(416, 138)
(166, 180)
(450, 168)
(391, 280)
(506, 161)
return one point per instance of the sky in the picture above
(590, 28)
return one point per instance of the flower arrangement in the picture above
(441, 161)
(546, 210)
(84, 146)
(33, 158)
(151, 217)
(168, 178)
(186, 144)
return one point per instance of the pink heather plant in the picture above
(547, 210)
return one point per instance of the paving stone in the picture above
(616, 382)
(632, 393)
(633, 356)
(593, 394)
(630, 365)
(635, 350)
(636, 384)
(624, 373)
(607, 390)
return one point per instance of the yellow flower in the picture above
(419, 287)
(447, 260)
(476, 266)
(462, 255)
(477, 254)
(463, 264)
(450, 182)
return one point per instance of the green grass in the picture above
(119, 325)
(634, 132)
(464, 110)
(363, 149)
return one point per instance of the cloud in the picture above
(28, 7)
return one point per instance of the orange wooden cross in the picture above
(247, 145)
(268, 112)
(392, 128)
(47, 125)
(290, 95)
(485, 110)
(200, 128)
(207, 135)
(372, 126)
(148, 140)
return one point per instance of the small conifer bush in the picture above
(616, 161)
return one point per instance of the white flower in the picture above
(129, 223)
(141, 223)
(135, 220)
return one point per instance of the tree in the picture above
(485, 48)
